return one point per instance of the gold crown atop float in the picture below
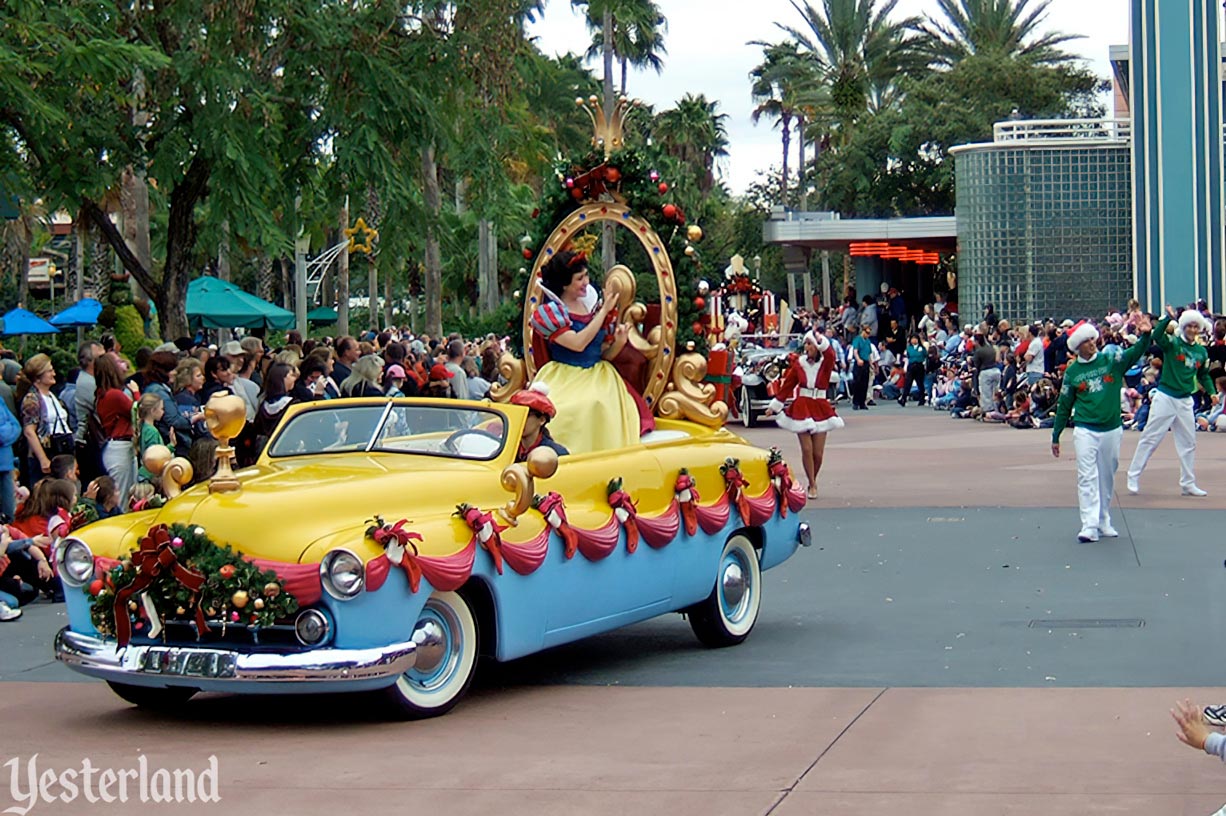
(608, 127)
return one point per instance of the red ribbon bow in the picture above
(553, 508)
(389, 534)
(155, 558)
(689, 513)
(620, 500)
(781, 475)
(477, 520)
(736, 484)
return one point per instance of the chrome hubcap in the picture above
(431, 645)
(733, 583)
(439, 637)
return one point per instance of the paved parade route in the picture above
(946, 647)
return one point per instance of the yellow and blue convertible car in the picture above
(382, 545)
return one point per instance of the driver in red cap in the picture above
(540, 411)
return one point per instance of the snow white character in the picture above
(578, 334)
(810, 416)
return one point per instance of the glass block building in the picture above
(1044, 219)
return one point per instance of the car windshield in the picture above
(433, 430)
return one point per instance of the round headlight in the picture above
(772, 371)
(343, 574)
(311, 627)
(76, 565)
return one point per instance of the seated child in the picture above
(102, 496)
(142, 496)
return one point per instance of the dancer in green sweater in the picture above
(1185, 370)
(1091, 396)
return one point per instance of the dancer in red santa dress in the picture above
(810, 415)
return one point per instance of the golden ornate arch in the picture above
(619, 214)
(674, 384)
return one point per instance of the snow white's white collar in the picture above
(589, 300)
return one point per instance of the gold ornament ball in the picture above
(259, 603)
(180, 611)
(239, 599)
(157, 457)
(272, 590)
(694, 232)
(132, 605)
(689, 251)
(211, 611)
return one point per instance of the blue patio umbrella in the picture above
(82, 313)
(23, 321)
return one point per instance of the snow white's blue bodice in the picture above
(551, 319)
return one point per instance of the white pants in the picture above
(120, 463)
(1165, 411)
(1098, 455)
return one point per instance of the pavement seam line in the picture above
(1124, 515)
(788, 790)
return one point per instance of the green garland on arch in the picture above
(634, 167)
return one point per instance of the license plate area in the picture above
(188, 662)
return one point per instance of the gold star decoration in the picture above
(370, 236)
(585, 243)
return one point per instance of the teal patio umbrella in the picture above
(216, 304)
(322, 314)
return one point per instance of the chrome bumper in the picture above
(156, 664)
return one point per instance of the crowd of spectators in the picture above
(72, 443)
(989, 370)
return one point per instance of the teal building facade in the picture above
(1176, 103)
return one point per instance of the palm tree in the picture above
(773, 92)
(696, 135)
(638, 33)
(1004, 27)
(859, 53)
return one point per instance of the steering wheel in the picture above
(472, 442)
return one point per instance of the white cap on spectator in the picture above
(1067, 324)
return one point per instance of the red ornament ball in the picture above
(663, 188)
(612, 175)
(670, 211)
(95, 587)
(576, 193)
(699, 303)
(226, 571)
(697, 327)
(527, 254)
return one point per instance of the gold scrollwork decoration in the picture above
(690, 398)
(514, 372)
(176, 475)
(519, 479)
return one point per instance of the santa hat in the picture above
(1080, 333)
(1191, 316)
(535, 398)
(820, 341)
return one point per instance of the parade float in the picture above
(383, 545)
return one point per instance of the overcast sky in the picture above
(707, 53)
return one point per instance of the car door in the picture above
(621, 587)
